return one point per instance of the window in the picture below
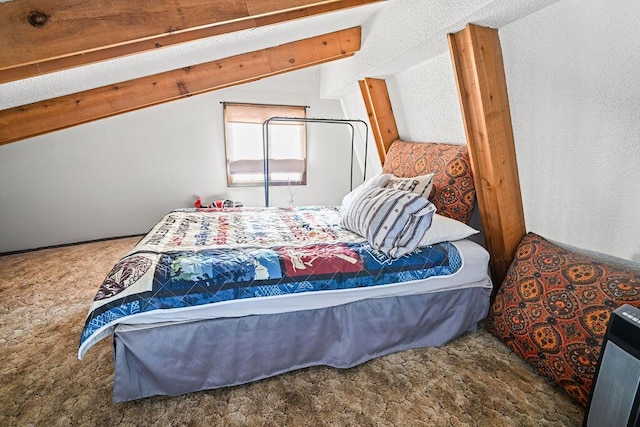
(244, 145)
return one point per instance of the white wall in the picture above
(428, 99)
(118, 176)
(573, 68)
(572, 71)
(425, 103)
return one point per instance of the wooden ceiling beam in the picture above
(41, 36)
(70, 110)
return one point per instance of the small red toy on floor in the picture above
(216, 204)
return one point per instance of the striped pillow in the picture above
(392, 221)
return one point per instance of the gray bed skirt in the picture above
(181, 358)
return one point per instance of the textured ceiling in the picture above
(405, 33)
(416, 30)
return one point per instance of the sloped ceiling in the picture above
(405, 33)
(52, 85)
(396, 34)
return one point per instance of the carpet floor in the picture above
(473, 381)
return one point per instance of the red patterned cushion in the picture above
(453, 191)
(553, 309)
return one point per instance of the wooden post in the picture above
(383, 122)
(482, 89)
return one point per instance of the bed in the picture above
(212, 298)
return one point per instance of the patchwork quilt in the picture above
(201, 258)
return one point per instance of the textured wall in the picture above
(428, 98)
(572, 71)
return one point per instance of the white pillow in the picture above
(420, 184)
(445, 229)
(392, 221)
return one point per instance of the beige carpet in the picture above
(45, 296)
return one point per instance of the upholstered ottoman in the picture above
(553, 309)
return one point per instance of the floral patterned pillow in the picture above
(553, 309)
(453, 193)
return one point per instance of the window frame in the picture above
(273, 110)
